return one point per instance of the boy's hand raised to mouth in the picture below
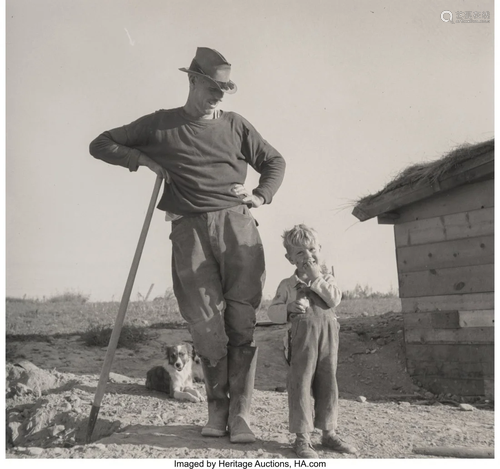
(312, 270)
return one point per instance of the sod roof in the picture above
(465, 164)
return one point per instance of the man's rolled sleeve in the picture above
(118, 146)
(326, 287)
(265, 159)
(272, 174)
(133, 159)
(111, 147)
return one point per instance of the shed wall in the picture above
(445, 258)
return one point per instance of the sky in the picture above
(350, 93)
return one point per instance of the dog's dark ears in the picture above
(190, 350)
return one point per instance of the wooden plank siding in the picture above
(454, 370)
(465, 335)
(459, 387)
(436, 282)
(479, 318)
(464, 369)
(455, 253)
(471, 302)
(469, 224)
(461, 199)
(449, 319)
(462, 353)
(489, 388)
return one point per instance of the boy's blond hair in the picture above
(298, 236)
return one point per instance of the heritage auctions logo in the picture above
(465, 17)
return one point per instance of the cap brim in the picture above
(229, 87)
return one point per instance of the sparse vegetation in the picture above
(13, 299)
(35, 316)
(362, 292)
(69, 297)
(130, 336)
(30, 317)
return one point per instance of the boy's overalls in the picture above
(312, 355)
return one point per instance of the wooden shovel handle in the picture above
(115, 335)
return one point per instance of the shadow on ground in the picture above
(188, 436)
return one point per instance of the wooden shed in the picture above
(443, 217)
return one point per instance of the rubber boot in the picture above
(242, 365)
(216, 385)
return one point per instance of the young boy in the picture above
(307, 300)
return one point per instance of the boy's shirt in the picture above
(325, 286)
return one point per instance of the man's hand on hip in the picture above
(252, 200)
(155, 167)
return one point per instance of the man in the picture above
(217, 256)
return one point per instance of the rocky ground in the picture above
(51, 385)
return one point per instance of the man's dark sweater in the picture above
(204, 157)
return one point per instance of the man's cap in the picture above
(211, 64)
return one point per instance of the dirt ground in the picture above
(382, 412)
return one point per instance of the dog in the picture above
(175, 377)
(198, 376)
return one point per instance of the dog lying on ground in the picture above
(175, 377)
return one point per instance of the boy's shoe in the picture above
(334, 443)
(304, 449)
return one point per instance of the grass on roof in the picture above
(428, 173)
